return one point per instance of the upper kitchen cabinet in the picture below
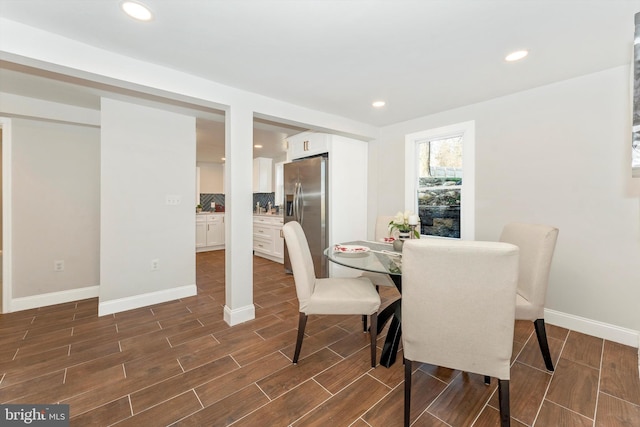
(308, 144)
(262, 175)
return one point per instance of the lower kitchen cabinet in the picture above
(209, 232)
(268, 241)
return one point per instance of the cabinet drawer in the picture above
(259, 219)
(268, 219)
(262, 245)
(261, 232)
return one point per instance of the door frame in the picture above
(5, 128)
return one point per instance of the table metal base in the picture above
(392, 341)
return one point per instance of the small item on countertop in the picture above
(257, 207)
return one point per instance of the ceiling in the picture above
(337, 56)
(268, 136)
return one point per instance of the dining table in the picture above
(376, 257)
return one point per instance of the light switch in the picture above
(173, 199)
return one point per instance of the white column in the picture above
(238, 215)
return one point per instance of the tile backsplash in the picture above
(206, 199)
(262, 198)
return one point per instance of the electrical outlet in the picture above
(58, 265)
(155, 264)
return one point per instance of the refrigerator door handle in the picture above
(300, 199)
(295, 202)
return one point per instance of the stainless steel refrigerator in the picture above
(306, 201)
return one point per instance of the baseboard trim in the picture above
(239, 315)
(52, 298)
(143, 300)
(593, 327)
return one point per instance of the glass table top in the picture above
(379, 258)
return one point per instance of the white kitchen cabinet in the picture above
(262, 175)
(347, 195)
(201, 231)
(209, 232)
(268, 241)
(307, 144)
(278, 243)
(279, 184)
(215, 231)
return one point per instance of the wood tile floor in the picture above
(179, 363)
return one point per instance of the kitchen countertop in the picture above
(267, 214)
(209, 213)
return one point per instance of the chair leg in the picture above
(373, 331)
(541, 333)
(503, 397)
(407, 392)
(487, 379)
(302, 323)
(364, 316)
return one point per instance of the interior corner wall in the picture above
(148, 159)
(560, 155)
(55, 207)
(211, 178)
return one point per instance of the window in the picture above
(439, 180)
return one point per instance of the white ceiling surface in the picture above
(337, 56)
(210, 132)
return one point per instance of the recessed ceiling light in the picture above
(136, 10)
(517, 55)
(223, 158)
(378, 104)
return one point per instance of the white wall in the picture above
(56, 207)
(147, 155)
(37, 48)
(560, 155)
(211, 178)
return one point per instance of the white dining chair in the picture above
(458, 310)
(327, 295)
(537, 243)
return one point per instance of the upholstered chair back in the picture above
(537, 243)
(458, 304)
(301, 261)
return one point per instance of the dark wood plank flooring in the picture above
(179, 363)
